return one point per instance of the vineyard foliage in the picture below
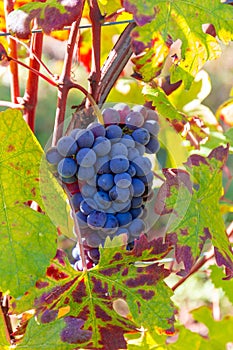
(129, 300)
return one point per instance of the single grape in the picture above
(93, 254)
(118, 149)
(111, 224)
(152, 146)
(134, 120)
(124, 218)
(97, 129)
(138, 187)
(67, 146)
(132, 153)
(102, 165)
(102, 200)
(151, 115)
(86, 157)
(141, 136)
(67, 167)
(142, 165)
(53, 156)
(152, 126)
(101, 146)
(96, 219)
(141, 109)
(85, 173)
(105, 181)
(123, 180)
(85, 138)
(92, 181)
(76, 199)
(136, 227)
(88, 191)
(111, 116)
(113, 132)
(119, 164)
(87, 205)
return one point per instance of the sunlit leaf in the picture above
(172, 20)
(192, 199)
(217, 277)
(27, 236)
(92, 296)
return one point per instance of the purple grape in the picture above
(102, 146)
(141, 136)
(93, 254)
(85, 138)
(134, 120)
(67, 146)
(119, 164)
(123, 180)
(152, 126)
(53, 156)
(67, 167)
(138, 187)
(124, 218)
(105, 181)
(97, 129)
(113, 132)
(111, 116)
(152, 146)
(96, 219)
(87, 206)
(86, 157)
(76, 199)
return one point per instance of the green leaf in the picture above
(186, 340)
(27, 237)
(162, 21)
(5, 345)
(220, 332)
(50, 15)
(164, 107)
(55, 200)
(217, 277)
(108, 7)
(192, 199)
(92, 296)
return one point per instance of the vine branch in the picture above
(64, 83)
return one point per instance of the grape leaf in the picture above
(51, 15)
(164, 107)
(90, 297)
(27, 237)
(5, 345)
(108, 7)
(194, 208)
(220, 332)
(217, 277)
(161, 21)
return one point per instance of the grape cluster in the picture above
(107, 175)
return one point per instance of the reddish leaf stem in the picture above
(31, 91)
(65, 83)
(96, 18)
(33, 71)
(14, 77)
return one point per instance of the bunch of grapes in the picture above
(107, 175)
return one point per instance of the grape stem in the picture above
(12, 47)
(77, 233)
(65, 80)
(96, 18)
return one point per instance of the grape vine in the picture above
(128, 208)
